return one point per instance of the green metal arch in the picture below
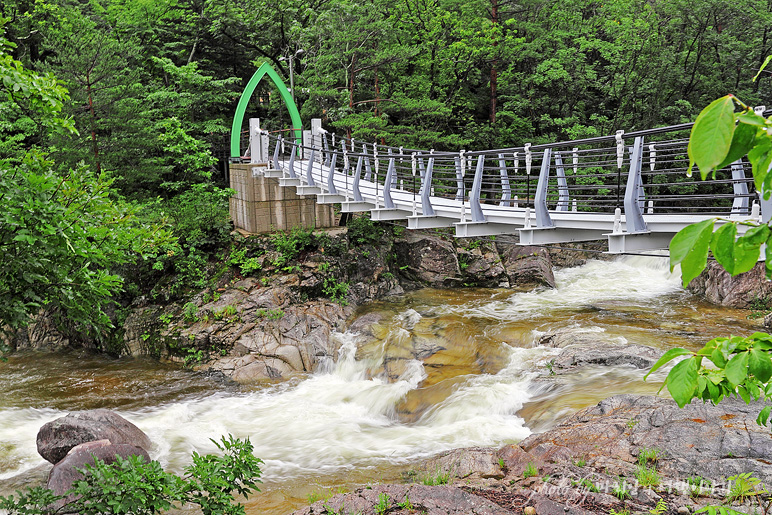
(238, 118)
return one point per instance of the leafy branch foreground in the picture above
(725, 131)
(133, 486)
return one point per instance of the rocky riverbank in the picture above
(628, 454)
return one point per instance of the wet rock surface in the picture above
(581, 348)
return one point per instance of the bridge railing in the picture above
(641, 174)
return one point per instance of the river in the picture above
(368, 415)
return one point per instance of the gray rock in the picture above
(740, 291)
(582, 348)
(65, 473)
(527, 266)
(701, 439)
(56, 438)
(431, 261)
(431, 500)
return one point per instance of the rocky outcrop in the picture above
(429, 260)
(741, 291)
(580, 466)
(527, 266)
(56, 438)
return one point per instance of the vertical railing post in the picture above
(276, 152)
(634, 221)
(506, 192)
(460, 165)
(426, 189)
(740, 188)
(355, 185)
(387, 201)
(564, 201)
(316, 137)
(291, 165)
(543, 219)
(474, 194)
(368, 170)
(310, 169)
(325, 149)
(331, 175)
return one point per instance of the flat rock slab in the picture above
(56, 438)
(714, 442)
(429, 500)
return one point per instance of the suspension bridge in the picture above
(632, 189)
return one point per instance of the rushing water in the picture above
(366, 416)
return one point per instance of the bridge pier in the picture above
(262, 205)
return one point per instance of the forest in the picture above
(116, 113)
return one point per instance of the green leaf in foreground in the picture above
(667, 357)
(689, 248)
(682, 381)
(711, 136)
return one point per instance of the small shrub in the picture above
(587, 485)
(440, 477)
(646, 476)
(647, 455)
(744, 486)
(335, 291)
(530, 470)
(660, 508)
(581, 461)
(190, 312)
(383, 503)
(698, 485)
(406, 504)
(363, 231)
(621, 490)
(291, 244)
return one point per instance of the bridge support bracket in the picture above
(550, 235)
(330, 198)
(309, 190)
(473, 229)
(285, 182)
(429, 222)
(625, 242)
(273, 173)
(352, 206)
(386, 214)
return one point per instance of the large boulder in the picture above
(56, 438)
(65, 473)
(587, 347)
(740, 291)
(430, 260)
(526, 265)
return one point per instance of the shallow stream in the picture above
(367, 416)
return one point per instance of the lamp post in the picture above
(291, 60)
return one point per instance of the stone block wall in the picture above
(260, 205)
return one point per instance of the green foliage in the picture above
(660, 508)
(744, 486)
(584, 483)
(62, 238)
(270, 314)
(530, 470)
(720, 136)
(620, 489)
(290, 244)
(133, 486)
(741, 366)
(406, 504)
(190, 312)
(440, 477)
(336, 291)
(719, 510)
(698, 485)
(383, 505)
(648, 455)
(363, 231)
(581, 461)
(646, 476)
